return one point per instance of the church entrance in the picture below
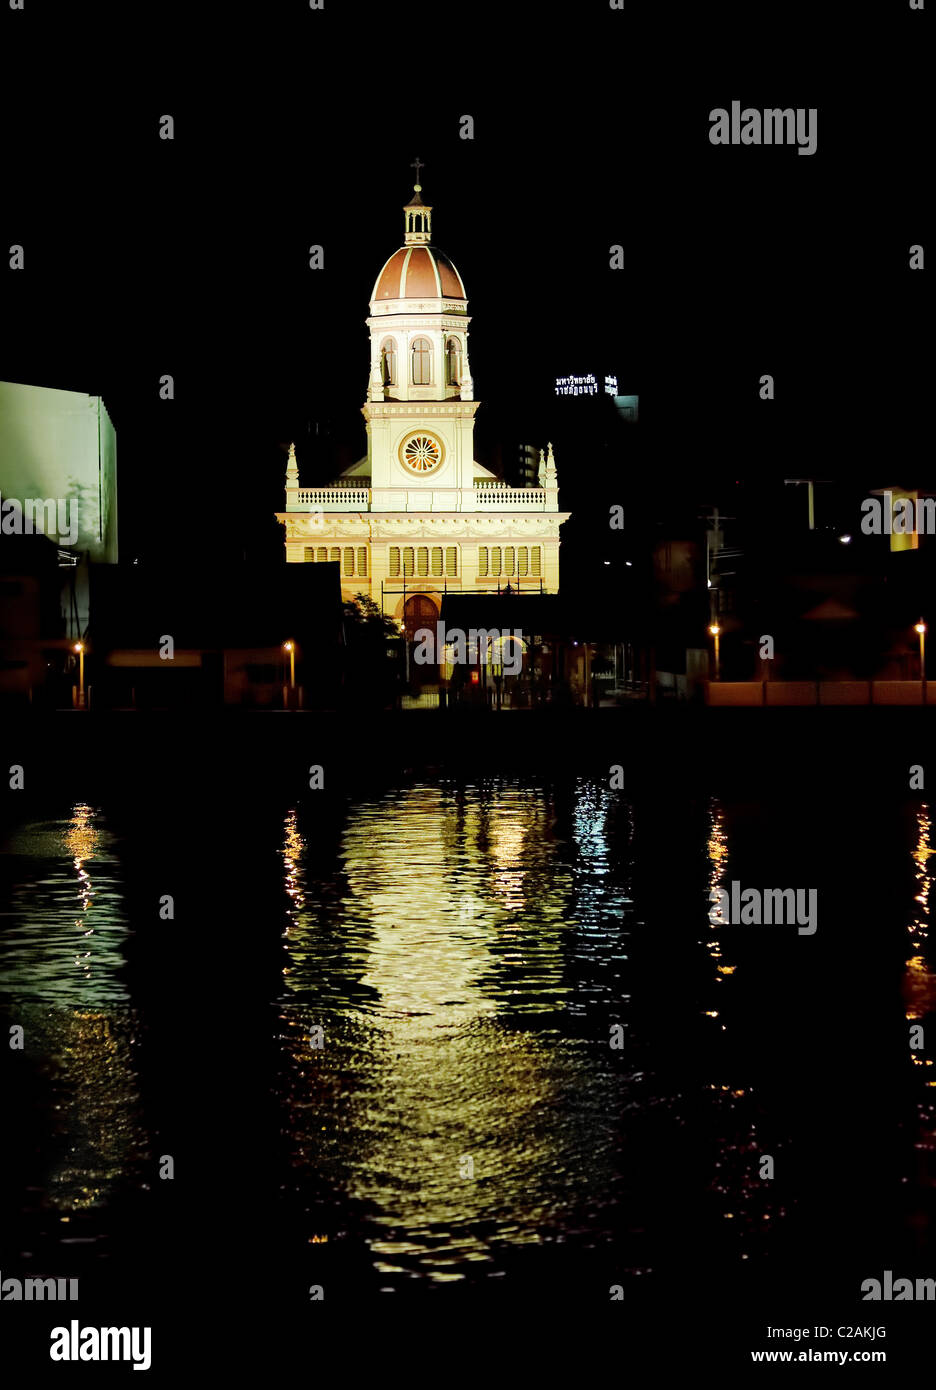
(420, 612)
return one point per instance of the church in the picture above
(418, 517)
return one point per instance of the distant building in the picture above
(626, 407)
(58, 478)
(61, 445)
(36, 655)
(526, 470)
(213, 635)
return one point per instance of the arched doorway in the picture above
(419, 612)
(422, 667)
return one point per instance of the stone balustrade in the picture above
(525, 499)
(331, 499)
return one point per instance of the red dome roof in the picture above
(419, 272)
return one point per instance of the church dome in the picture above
(419, 272)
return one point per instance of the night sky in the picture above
(295, 128)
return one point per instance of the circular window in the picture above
(421, 453)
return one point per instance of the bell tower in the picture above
(420, 403)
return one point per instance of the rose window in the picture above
(421, 453)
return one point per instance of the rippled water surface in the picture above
(464, 1032)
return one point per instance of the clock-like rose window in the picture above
(421, 453)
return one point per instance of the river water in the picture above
(445, 1035)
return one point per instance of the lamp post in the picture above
(715, 631)
(79, 648)
(920, 630)
(291, 648)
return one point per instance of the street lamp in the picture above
(291, 648)
(79, 648)
(920, 629)
(715, 632)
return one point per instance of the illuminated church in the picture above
(419, 517)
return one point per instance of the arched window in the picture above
(422, 360)
(452, 362)
(388, 362)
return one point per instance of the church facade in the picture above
(418, 517)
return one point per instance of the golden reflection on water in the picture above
(96, 1075)
(745, 1200)
(89, 1048)
(919, 982)
(293, 845)
(81, 840)
(919, 988)
(717, 849)
(97, 1137)
(437, 900)
(454, 912)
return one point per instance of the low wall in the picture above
(800, 693)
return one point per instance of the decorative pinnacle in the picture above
(417, 164)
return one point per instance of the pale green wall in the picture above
(62, 444)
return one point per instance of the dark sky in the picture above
(591, 129)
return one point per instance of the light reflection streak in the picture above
(919, 988)
(293, 846)
(744, 1198)
(717, 849)
(455, 919)
(81, 841)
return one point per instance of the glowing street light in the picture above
(79, 648)
(291, 648)
(715, 631)
(920, 629)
